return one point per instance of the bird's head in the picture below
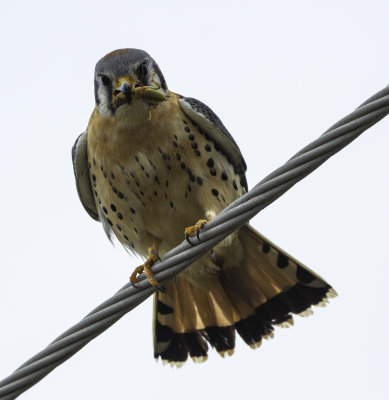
(126, 77)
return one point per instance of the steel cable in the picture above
(230, 219)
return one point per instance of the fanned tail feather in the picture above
(264, 290)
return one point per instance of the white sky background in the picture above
(278, 74)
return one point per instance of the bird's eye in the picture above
(105, 80)
(142, 72)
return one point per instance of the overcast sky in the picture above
(278, 74)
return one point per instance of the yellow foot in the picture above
(146, 268)
(190, 231)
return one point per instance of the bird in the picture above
(154, 167)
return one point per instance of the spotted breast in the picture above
(151, 164)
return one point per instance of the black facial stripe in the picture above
(142, 72)
(107, 89)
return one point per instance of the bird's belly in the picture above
(156, 192)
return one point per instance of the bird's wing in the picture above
(81, 173)
(208, 122)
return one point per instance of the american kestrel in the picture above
(150, 165)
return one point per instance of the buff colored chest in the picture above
(153, 177)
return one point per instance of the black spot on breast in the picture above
(120, 195)
(119, 228)
(105, 210)
(175, 144)
(113, 207)
(105, 174)
(136, 230)
(191, 137)
(184, 122)
(101, 167)
(189, 188)
(169, 167)
(235, 185)
(215, 192)
(187, 129)
(142, 167)
(120, 216)
(182, 164)
(192, 178)
(194, 145)
(197, 152)
(156, 179)
(217, 148)
(114, 189)
(178, 157)
(210, 162)
(171, 204)
(132, 210)
(112, 175)
(265, 248)
(164, 156)
(199, 180)
(167, 183)
(224, 176)
(89, 165)
(223, 198)
(94, 161)
(94, 178)
(175, 137)
(213, 171)
(136, 159)
(141, 192)
(125, 237)
(207, 147)
(155, 193)
(132, 174)
(282, 261)
(109, 221)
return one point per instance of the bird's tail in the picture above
(264, 290)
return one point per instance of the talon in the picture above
(155, 253)
(191, 230)
(146, 268)
(187, 238)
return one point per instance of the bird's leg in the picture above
(196, 228)
(146, 267)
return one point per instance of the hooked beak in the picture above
(128, 90)
(122, 94)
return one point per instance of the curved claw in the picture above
(155, 253)
(187, 238)
(160, 288)
(134, 284)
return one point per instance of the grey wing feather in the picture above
(81, 173)
(200, 114)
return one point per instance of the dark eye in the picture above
(105, 80)
(142, 72)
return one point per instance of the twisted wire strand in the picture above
(229, 220)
